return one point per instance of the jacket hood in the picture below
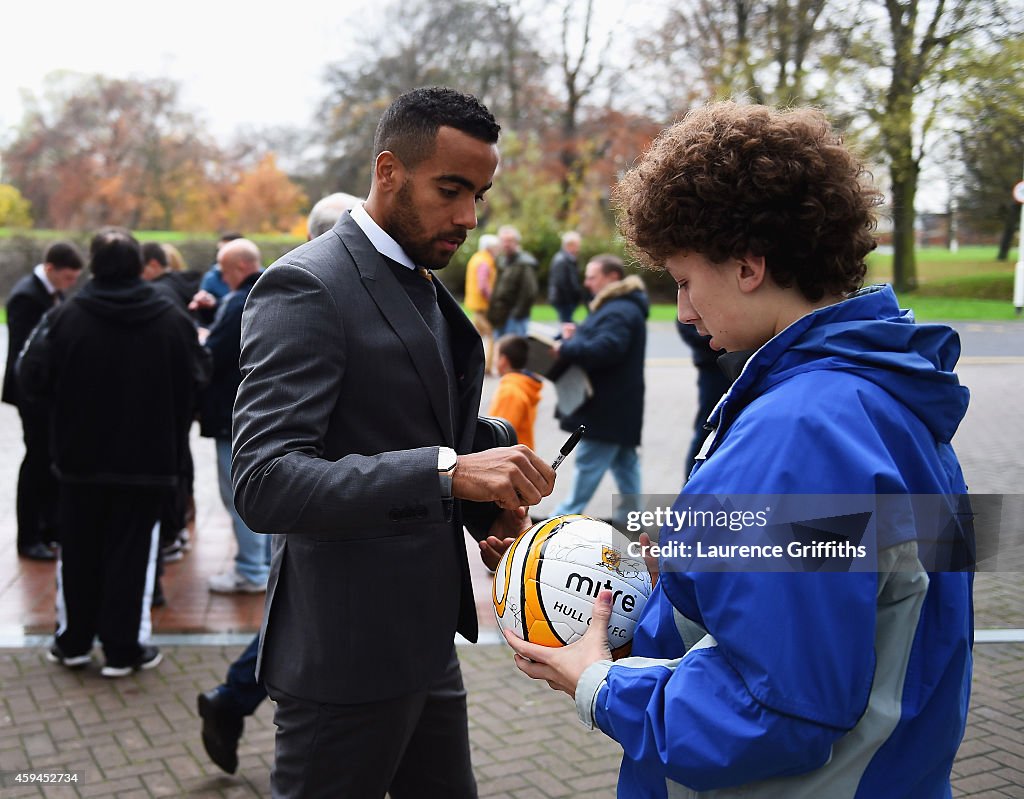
(527, 382)
(870, 336)
(133, 302)
(631, 287)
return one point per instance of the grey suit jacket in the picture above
(341, 410)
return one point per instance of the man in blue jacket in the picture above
(832, 680)
(239, 264)
(609, 345)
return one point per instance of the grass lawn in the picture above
(926, 309)
(966, 285)
(936, 264)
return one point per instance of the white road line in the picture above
(16, 640)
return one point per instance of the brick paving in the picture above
(139, 736)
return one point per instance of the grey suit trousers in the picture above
(411, 747)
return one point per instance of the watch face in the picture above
(446, 459)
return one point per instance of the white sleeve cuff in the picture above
(587, 688)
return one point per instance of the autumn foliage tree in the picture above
(15, 210)
(95, 151)
(264, 200)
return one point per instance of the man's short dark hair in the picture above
(151, 251)
(64, 255)
(115, 255)
(515, 349)
(409, 126)
(610, 265)
(228, 235)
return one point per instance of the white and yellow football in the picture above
(546, 583)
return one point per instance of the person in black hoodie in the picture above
(119, 366)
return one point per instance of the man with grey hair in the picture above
(327, 211)
(239, 262)
(516, 287)
(223, 709)
(564, 291)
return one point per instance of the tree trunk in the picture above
(904, 256)
(1009, 226)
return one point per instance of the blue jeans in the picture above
(241, 685)
(253, 558)
(593, 459)
(512, 327)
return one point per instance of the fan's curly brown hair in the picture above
(734, 179)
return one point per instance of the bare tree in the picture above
(758, 49)
(911, 44)
(579, 72)
(478, 46)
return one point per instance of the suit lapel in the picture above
(400, 313)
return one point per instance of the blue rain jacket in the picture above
(760, 684)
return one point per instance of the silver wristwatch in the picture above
(447, 460)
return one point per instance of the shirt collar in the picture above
(380, 240)
(40, 272)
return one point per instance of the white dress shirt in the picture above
(381, 241)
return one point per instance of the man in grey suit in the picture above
(353, 432)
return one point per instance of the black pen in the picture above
(569, 446)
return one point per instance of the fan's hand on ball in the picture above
(649, 559)
(503, 533)
(508, 476)
(562, 667)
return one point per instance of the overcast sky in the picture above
(237, 64)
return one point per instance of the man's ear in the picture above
(752, 271)
(388, 172)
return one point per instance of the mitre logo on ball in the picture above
(546, 583)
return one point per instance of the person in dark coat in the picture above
(564, 290)
(31, 297)
(609, 345)
(179, 287)
(223, 709)
(118, 366)
(711, 385)
(239, 262)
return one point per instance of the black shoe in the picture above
(56, 655)
(222, 727)
(149, 659)
(37, 551)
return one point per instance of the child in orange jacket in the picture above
(518, 391)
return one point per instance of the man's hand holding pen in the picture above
(508, 476)
(513, 520)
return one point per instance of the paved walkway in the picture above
(138, 737)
